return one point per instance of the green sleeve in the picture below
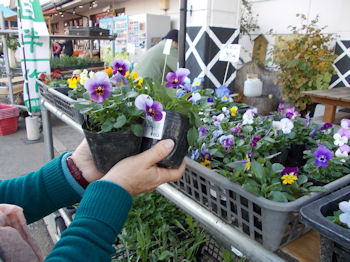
(99, 218)
(172, 59)
(39, 193)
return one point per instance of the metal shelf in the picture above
(220, 229)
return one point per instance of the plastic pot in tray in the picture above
(273, 224)
(334, 239)
(60, 99)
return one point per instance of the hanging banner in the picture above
(35, 49)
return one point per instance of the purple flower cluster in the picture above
(99, 87)
(152, 108)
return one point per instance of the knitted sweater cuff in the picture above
(106, 202)
(57, 184)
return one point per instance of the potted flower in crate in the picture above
(113, 124)
(329, 159)
(172, 116)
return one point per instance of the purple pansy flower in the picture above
(120, 66)
(280, 109)
(227, 141)
(344, 132)
(343, 151)
(322, 155)
(177, 78)
(99, 87)
(289, 175)
(117, 78)
(291, 113)
(152, 108)
(223, 93)
(210, 100)
(326, 128)
(180, 93)
(202, 131)
(195, 154)
(345, 123)
(313, 133)
(288, 170)
(307, 119)
(216, 134)
(254, 140)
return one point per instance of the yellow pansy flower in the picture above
(248, 163)
(233, 110)
(139, 83)
(134, 76)
(72, 82)
(289, 179)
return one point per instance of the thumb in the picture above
(158, 151)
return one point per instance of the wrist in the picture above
(76, 173)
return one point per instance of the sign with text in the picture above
(33, 37)
(167, 46)
(154, 129)
(230, 53)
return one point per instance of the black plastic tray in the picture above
(334, 239)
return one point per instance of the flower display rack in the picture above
(334, 239)
(61, 101)
(273, 224)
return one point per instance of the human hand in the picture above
(83, 160)
(140, 174)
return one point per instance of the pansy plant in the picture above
(108, 106)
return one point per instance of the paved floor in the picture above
(18, 157)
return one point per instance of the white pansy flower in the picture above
(286, 125)
(345, 219)
(91, 74)
(277, 125)
(248, 117)
(340, 140)
(344, 206)
(340, 153)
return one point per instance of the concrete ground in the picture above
(18, 157)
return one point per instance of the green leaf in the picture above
(302, 179)
(277, 168)
(107, 126)
(259, 171)
(277, 196)
(121, 121)
(192, 136)
(137, 129)
(252, 187)
(166, 255)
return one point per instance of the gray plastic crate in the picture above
(61, 101)
(270, 223)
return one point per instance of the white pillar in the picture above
(210, 25)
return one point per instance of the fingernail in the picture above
(168, 143)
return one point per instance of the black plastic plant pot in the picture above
(63, 90)
(175, 127)
(107, 149)
(282, 157)
(334, 239)
(295, 156)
